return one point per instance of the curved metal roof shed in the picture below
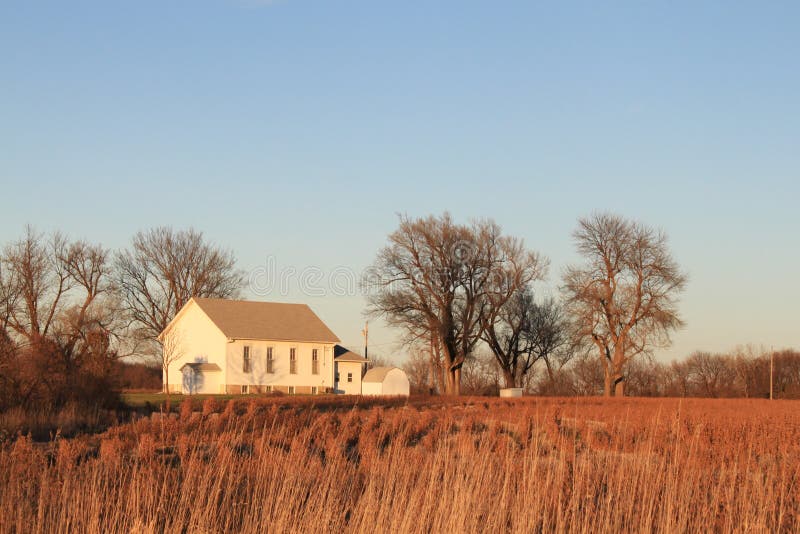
(385, 381)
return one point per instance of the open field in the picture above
(157, 399)
(430, 464)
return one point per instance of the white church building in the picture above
(237, 347)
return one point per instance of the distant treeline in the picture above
(743, 373)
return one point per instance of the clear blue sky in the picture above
(298, 129)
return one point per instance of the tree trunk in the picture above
(618, 369)
(509, 378)
(449, 382)
(606, 361)
(614, 384)
(166, 385)
(437, 380)
(431, 375)
(550, 373)
(452, 370)
(453, 381)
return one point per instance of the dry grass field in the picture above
(428, 465)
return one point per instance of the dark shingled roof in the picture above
(245, 319)
(342, 354)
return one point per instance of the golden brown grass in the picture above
(435, 465)
(44, 424)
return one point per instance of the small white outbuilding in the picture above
(385, 381)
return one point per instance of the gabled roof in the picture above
(201, 366)
(377, 374)
(342, 354)
(269, 321)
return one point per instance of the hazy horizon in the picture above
(297, 131)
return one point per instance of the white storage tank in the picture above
(385, 381)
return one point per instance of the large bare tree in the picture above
(507, 302)
(432, 279)
(56, 311)
(54, 288)
(35, 283)
(522, 332)
(623, 298)
(163, 269)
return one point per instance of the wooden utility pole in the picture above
(365, 333)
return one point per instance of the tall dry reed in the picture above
(540, 465)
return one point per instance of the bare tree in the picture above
(786, 373)
(417, 284)
(420, 374)
(481, 376)
(713, 375)
(523, 332)
(587, 375)
(53, 288)
(747, 365)
(35, 282)
(432, 281)
(504, 325)
(8, 348)
(549, 337)
(679, 380)
(172, 350)
(623, 298)
(507, 304)
(55, 312)
(646, 377)
(164, 268)
(377, 360)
